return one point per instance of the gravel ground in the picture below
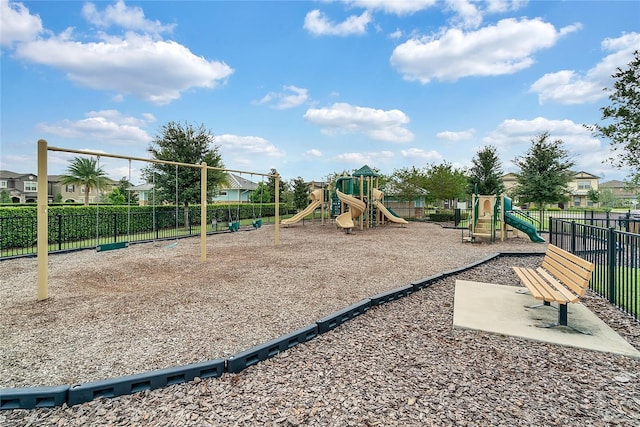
(150, 307)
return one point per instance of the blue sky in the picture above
(310, 88)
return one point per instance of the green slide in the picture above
(523, 226)
(519, 224)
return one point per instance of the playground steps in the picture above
(483, 227)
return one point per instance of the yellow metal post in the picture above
(43, 222)
(277, 200)
(203, 212)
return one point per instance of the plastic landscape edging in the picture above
(244, 359)
(144, 381)
(48, 397)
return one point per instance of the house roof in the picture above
(141, 187)
(236, 182)
(10, 174)
(614, 183)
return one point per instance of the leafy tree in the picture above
(85, 172)
(408, 184)
(486, 172)
(608, 199)
(57, 198)
(116, 197)
(183, 143)
(544, 172)
(271, 184)
(444, 182)
(5, 197)
(624, 113)
(124, 187)
(300, 193)
(593, 196)
(260, 194)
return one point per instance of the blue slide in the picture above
(524, 226)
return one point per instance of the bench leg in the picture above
(546, 303)
(562, 320)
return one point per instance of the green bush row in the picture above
(18, 225)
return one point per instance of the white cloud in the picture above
(513, 137)
(154, 70)
(456, 136)
(237, 145)
(504, 48)
(121, 15)
(396, 7)
(313, 153)
(108, 126)
(368, 158)
(377, 124)
(319, 25)
(290, 97)
(17, 24)
(569, 87)
(421, 155)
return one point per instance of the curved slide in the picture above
(356, 207)
(377, 201)
(391, 217)
(527, 228)
(316, 200)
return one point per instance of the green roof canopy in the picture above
(364, 171)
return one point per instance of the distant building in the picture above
(579, 188)
(626, 195)
(23, 188)
(236, 189)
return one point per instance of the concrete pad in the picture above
(501, 309)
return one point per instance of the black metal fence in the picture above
(615, 253)
(619, 221)
(77, 231)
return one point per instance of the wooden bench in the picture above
(563, 278)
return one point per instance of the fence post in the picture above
(572, 247)
(115, 227)
(551, 228)
(59, 232)
(456, 217)
(611, 261)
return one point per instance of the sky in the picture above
(311, 88)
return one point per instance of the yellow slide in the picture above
(391, 217)
(316, 197)
(356, 207)
(377, 201)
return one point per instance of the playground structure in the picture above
(355, 202)
(42, 206)
(493, 213)
(360, 194)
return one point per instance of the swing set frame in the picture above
(42, 210)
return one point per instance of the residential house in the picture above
(145, 193)
(626, 195)
(236, 189)
(578, 187)
(22, 187)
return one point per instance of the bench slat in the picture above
(536, 285)
(576, 283)
(587, 265)
(567, 295)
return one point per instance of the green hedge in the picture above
(18, 225)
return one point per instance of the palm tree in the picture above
(85, 172)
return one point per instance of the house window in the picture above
(576, 201)
(3, 184)
(584, 185)
(70, 188)
(223, 193)
(30, 186)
